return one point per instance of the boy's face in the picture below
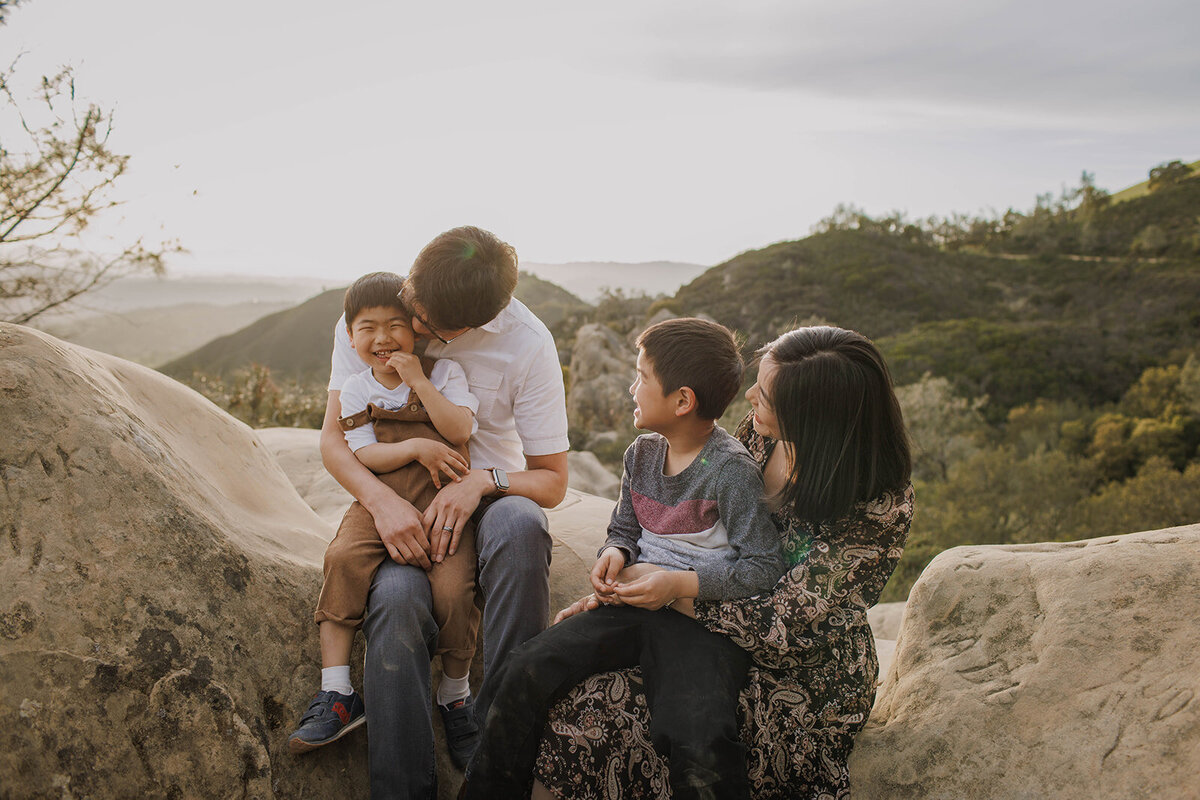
(379, 331)
(651, 410)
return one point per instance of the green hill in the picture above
(295, 343)
(1143, 188)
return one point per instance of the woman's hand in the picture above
(439, 459)
(578, 607)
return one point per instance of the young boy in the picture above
(407, 419)
(692, 503)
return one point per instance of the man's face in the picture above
(420, 324)
(378, 332)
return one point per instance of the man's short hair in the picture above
(371, 290)
(463, 278)
(698, 354)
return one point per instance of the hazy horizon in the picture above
(299, 140)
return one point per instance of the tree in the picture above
(56, 175)
(1168, 174)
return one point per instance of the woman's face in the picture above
(759, 395)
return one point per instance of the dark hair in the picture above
(464, 278)
(371, 290)
(698, 354)
(832, 395)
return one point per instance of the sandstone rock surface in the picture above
(601, 371)
(588, 475)
(160, 570)
(1064, 670)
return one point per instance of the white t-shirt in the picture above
(512, 368)
(362, 388)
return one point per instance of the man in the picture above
(460, 292)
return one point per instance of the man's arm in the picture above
(544, 481)
(398, 523)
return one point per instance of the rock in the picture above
(160, 572)
(601, 370)
(1046, 670)
(588, 475)
(298, 453)
(885, 620)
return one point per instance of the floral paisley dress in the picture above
(811, 687)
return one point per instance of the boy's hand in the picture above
(605, 571)
(652, 591)
(438, 459)
(408, 367)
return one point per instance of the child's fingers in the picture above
(615, 564)
(435, 474)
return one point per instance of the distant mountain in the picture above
(221, 290)
(589, 279)
(151, 336)
(295, 343)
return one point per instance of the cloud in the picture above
(1053, 57)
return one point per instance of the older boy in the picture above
(692, 502)
(461, 288)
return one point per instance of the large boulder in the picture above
(160, 571)
(601, 371)
(1046, 670)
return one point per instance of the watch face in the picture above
(501, 479)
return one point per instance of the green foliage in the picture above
(251, 395)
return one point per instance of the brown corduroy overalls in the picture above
(357, 551)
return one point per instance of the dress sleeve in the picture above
(624, 530)
(819, 598)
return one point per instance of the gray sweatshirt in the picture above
(709, 518)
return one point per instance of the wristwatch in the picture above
(500, 478)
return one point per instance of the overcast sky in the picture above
(325, 139)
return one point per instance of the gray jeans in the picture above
(513, 544)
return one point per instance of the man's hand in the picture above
(451, 508)
(438, 459)
(653, 590)
(605, 571)
(409, 368)
(401, 531)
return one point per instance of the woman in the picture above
(827, 431)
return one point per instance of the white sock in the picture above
(336, 679)
(451, 689)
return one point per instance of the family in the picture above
(724, 651)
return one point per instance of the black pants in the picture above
(692, 679)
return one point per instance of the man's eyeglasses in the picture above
(425, 324)
(406, 298)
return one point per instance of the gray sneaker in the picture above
(462, 734)
(329, 717)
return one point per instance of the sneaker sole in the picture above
(299, 746)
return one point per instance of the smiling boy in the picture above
(407, 419)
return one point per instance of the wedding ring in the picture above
(448, 528)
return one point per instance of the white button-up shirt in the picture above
(512, 368)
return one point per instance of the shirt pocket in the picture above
(485, 385)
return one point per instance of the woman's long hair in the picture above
(833, 398)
